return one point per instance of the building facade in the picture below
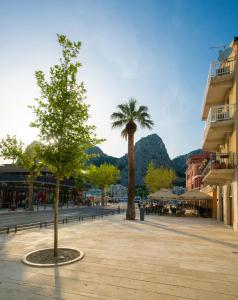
(220, 174)
(14, 188)
(93, 192)
(193, 173)
(117, 191)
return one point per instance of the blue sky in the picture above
(155, 51)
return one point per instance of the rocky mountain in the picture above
(101, 158)
(147, 149)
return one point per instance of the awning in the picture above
(162, 194)
(194, 195)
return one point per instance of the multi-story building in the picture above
(93, 193)
(194, 167)
(221, 135)
(14, 187)
(117, 190)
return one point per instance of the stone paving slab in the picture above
(161, 258)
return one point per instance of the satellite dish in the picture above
(224, 54)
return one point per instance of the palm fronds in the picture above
(129, 113)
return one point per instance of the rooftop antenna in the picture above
(223, 53)
(218, 47)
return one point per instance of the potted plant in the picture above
(216, 164)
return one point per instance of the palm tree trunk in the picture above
(56, 217)
(130, 214)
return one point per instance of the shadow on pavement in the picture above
(211, 240)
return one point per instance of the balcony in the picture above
(220, 168)
(219, 124)
(220, 80)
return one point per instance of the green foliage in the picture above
(102, 176)
(141, 191)
(32, 159)
(62, 119)
(61, 114)
(80, 180)
(157, 178)
(128, 114)
(11, 148)
(29, 158)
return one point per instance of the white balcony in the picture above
(220, 80)
(220, 168)
(219, 124)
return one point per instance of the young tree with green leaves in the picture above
(102, 177)
(158, 178)
(127, 117)
(29, 158)
(61, 115)
(80, 185)
(141, 191)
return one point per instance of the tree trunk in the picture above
(56, 217)
(103, 197)
(14, 198)
(31, 192)
(130, 214)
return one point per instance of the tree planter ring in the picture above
(30, 260)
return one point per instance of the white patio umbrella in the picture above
(194, 195)
(162, 194)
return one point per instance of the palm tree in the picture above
(127, 116)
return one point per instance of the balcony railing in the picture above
(219, 113)
(217, 70)
(220, 161)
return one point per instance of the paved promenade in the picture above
(161, 258)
